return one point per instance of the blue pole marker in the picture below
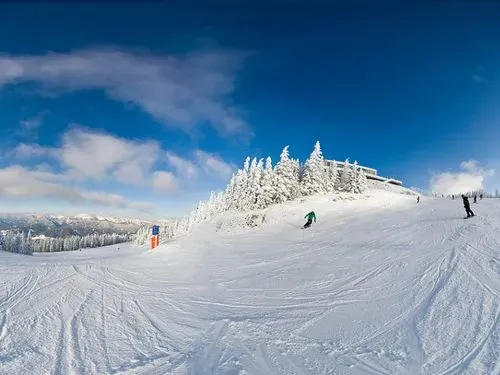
(156, 230)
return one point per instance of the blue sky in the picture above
(131, 108)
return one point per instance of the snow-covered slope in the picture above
(376, 286)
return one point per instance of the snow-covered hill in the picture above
(380, 285)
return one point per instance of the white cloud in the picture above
(213, 164)
(142, 206)
(19, 182)
(180, 91)
(182, 166)
(31, 123)
(101, 159)
(471, 177)
(26, 151)
(97, 155)
(164, 182)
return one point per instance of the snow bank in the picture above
(379, 185)
(293, 212)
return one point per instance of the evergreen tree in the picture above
(344, 182)
(267, 188)
(362, 181)
(314, 179)
(331, 171)
(354, 188)
(237, 192)
(252, 186)
(286, 181)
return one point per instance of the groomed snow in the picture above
(379, 285)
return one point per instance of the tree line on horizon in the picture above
(259, 185)
(24, 243)
(478, 193)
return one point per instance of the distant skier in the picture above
(475, 198)
(453, 197)
(418, 199)
(467, 206)
(310, 217)
(481, 196)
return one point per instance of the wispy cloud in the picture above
(29, 151)
(477, 78)
(180, 91)
(97, 155)
(183, 167)
(30, 124)
(213, 164)
(90, 157)
(479, 74)
(19, 182)
(471, 177)
(164, 182)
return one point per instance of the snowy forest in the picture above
(478, 193)
(259, 185)
(23, 243)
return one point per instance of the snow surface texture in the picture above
(377, 286)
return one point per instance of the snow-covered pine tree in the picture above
(332, 176)
(236, 192)
(210, 206)
(313, 176)
(219, 203)
(23, 244)
(344, 182)
(196, 213)
(286, 178)
(229, 192)
(28, 248)
(362, 182)
(295, 186)
(254, 184)
(354, 177)
(249, 189)
(246, 164)
(19, 243)
(141, 237)
(266, 194)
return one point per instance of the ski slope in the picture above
(377, 286)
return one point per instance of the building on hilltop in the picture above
(371, 173)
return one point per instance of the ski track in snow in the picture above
(399, 289)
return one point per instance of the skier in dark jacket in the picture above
(310, 217)
(475, 198)
(467, 206)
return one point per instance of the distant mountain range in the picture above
(78, 225)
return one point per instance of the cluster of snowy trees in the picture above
(16, 242)
(259, 185)
(24, 243)
(79, 242)
(476, 193)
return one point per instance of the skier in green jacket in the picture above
(310, 216)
